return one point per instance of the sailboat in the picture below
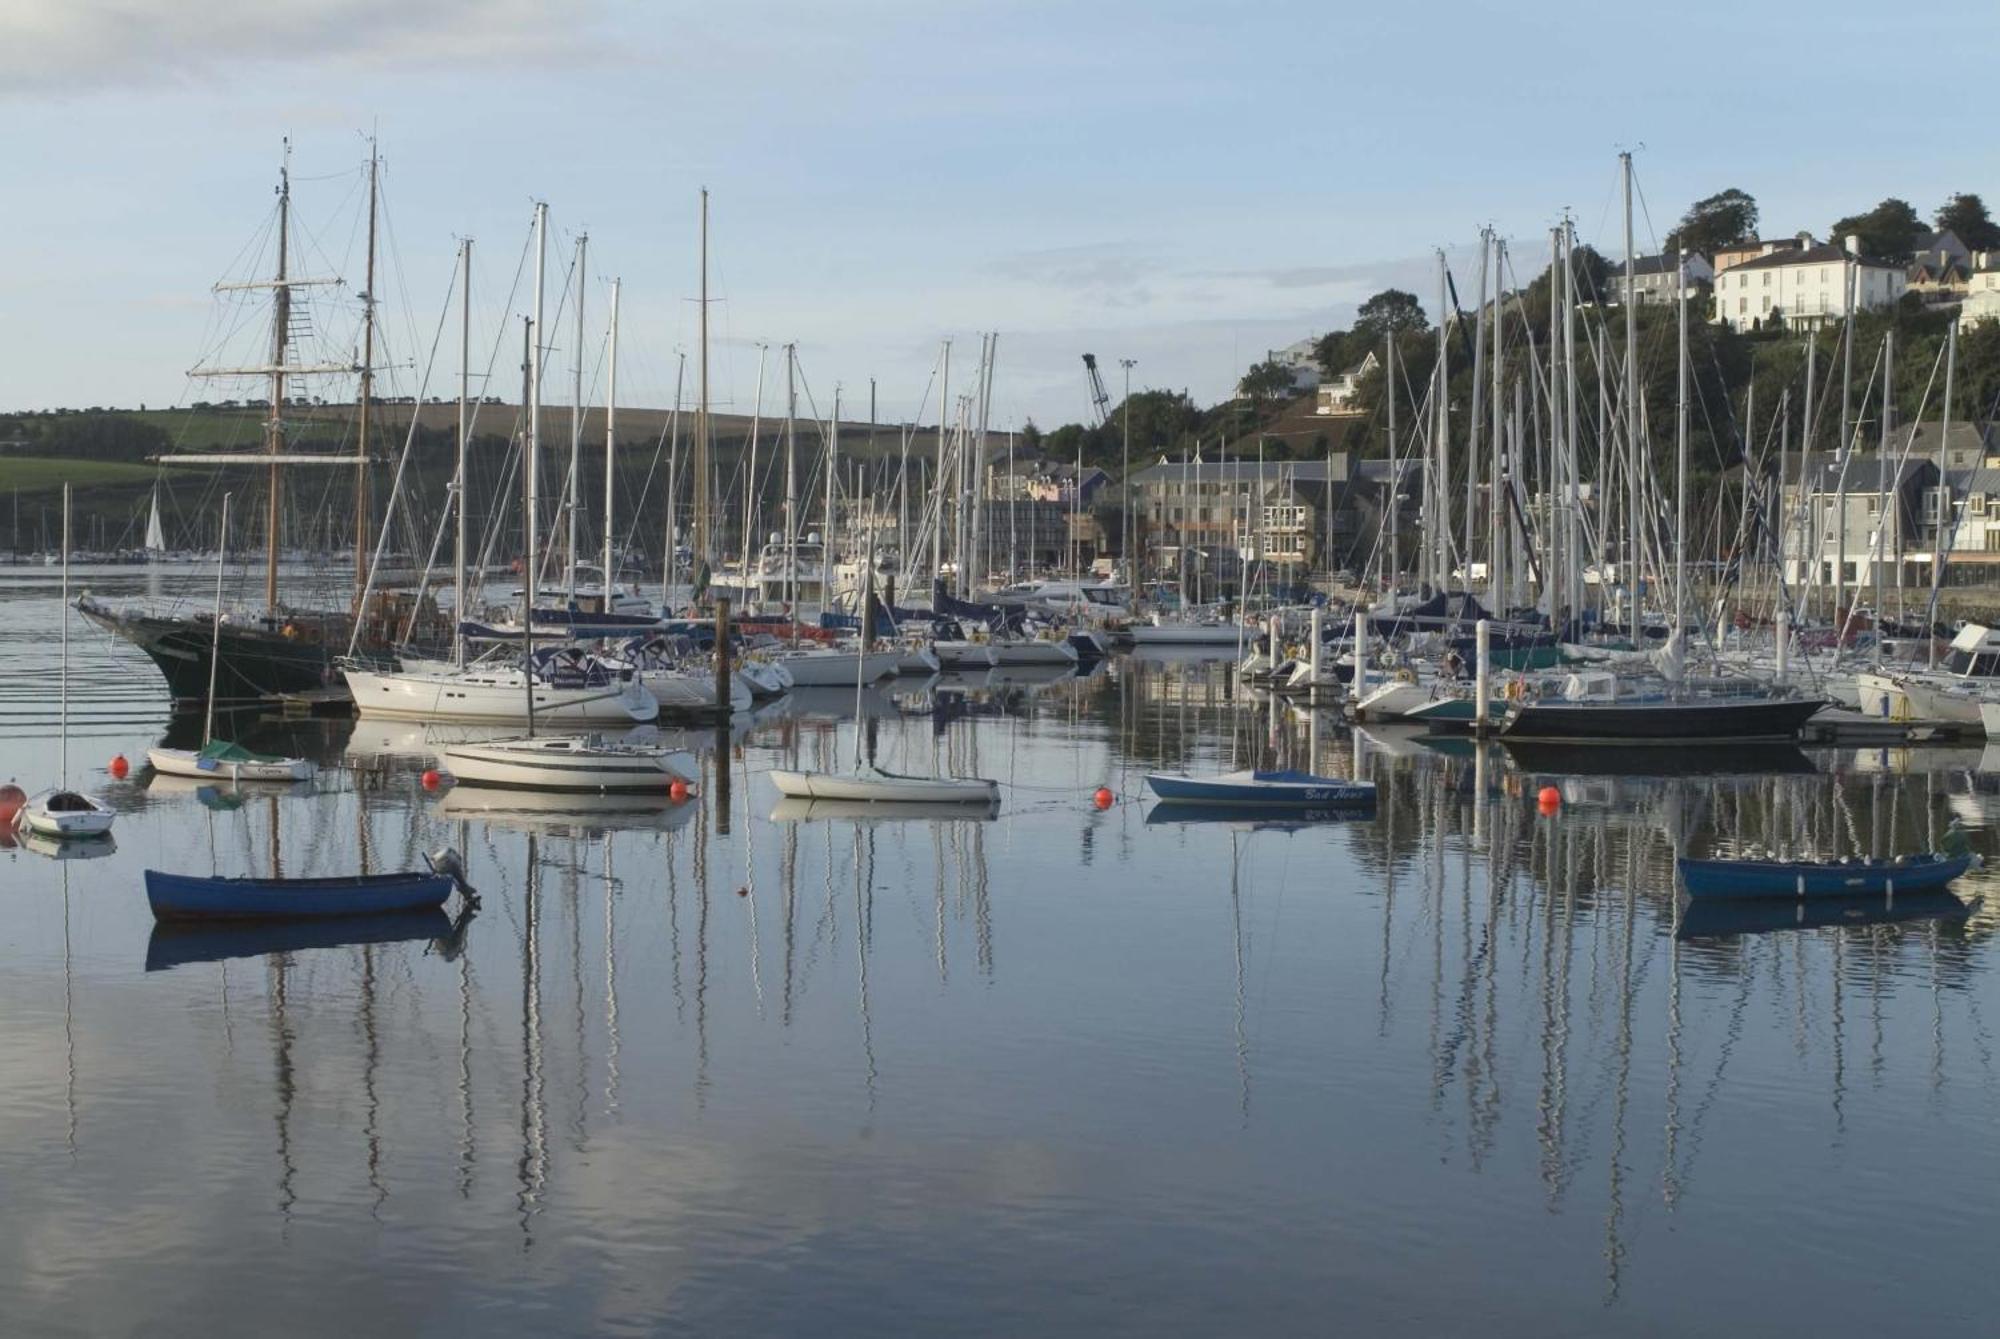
(219, 758)
(558, 764)
(285, 649)
(868, 783)
(156, 535)
(61, 812)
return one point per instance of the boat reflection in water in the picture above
(881, 811)
(56, 848)
(567, 814)
(179, 944)
(1709, 919)
(1259, 817)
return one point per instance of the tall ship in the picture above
(280, 646)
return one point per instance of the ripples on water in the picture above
(1066, 1071)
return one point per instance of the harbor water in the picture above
(698, 1069)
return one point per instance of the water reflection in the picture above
(1050, 1044)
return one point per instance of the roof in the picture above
(1824, 253)
(1865, 473)
(1245, 471)
(1643, 265)
(1973, 481)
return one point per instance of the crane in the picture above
(1100, 399)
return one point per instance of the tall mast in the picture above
(1551, 475)
(62, 779)
(274, 435)
(826, 540)
(750, 475)
(610, 446)
(1681, 450)
(673, 487)
(937, 532)
(1441, 518)
(791, 591)
(1478, 413)
(458, 602)
(573, 491)
(530, 500)
(1573, 485)
(1631, 369)
(531, 456)
(1395, 563)
(367, 388)
(1496, 525)
(1847, 286)
(701, 464)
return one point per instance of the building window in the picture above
(1742, 305)
(1767, 278)
(1976, 504)
(1874, 505)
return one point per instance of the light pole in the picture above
(1125, 540)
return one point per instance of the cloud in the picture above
(85, 45)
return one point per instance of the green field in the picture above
(41, 474)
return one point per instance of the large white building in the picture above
(1982, 289)
(1806, 286)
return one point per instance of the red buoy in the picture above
(12, 797)
(1549, 799)
(1103, 798)
(678, 792)
(120, 768)
(433, 778)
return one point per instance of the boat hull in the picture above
(1261, 789)
(189, 762)
(1724, 879)
(182, 897)
(255, 664)
(1701, 721)
(884, 787)
(568, 765)
(475, 700)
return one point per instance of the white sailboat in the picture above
(218, 759)
(585, 764)
(60, 812)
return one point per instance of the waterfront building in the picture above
(1805, 287)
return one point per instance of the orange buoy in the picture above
(678, 792)
(1103, 798)
(432, 778)
(1549, 799)
(120, 768)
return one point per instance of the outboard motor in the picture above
(447, 861)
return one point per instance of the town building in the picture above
(1340, 397)
(1654, 278)
(1982, 289)
(1297, 513)
(1301, 361)
(1738, 253)
(1804, 287)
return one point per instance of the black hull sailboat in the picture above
(275, 657)
(1700, 721)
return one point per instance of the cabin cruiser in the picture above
(1953, 694)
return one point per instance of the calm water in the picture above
(1066, 1071)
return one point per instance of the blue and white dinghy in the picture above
(1261, 788)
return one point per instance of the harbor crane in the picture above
(1100, 399)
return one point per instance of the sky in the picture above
(1182, 184)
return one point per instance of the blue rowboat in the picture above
(1262, 788)
(187, 897)
(1800, 879)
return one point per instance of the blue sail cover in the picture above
(993, 617)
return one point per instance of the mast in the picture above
(937, 531)
(1572, 484)
(573, 490)
(1681, 451)
(1551, 480)
(464, 432)
(826, 539)
(1495, 522)
(1631, 370)
(1394, 566)
(673, 488)
(530, 499)
(701, 427)
(274, 434)
(367, 394)
(1440, 534)
(62, 779)
(611, 445)
(750, 477)
(1846, 434)
(1478, 414)
(215, 629)
(531, 453)
(791, 589)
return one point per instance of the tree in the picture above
(1720, 220)
(1391, 309)
(1266, 381)
(1338, 350)
(1889, 231)
(1966, 215)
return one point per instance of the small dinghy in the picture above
(1925, 873)
(64, 814)
(872, 785)
(1261, 788)
(220, 760)
(187, 897)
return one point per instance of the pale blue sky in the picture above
(1185, 184)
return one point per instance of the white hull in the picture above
(874, 786)
(1188, 634)
(72, 815)
(835, 668)
(918, 660)
(1912, 700)
(965, 655)
(765, 679)
(1035, 652)
(1394, 700)
(187, 762)
(560, 764)
(496, 697)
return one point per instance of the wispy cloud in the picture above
(76, 46)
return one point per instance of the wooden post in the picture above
(722, 677)
(722, 692)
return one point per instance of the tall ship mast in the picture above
(280, 649)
